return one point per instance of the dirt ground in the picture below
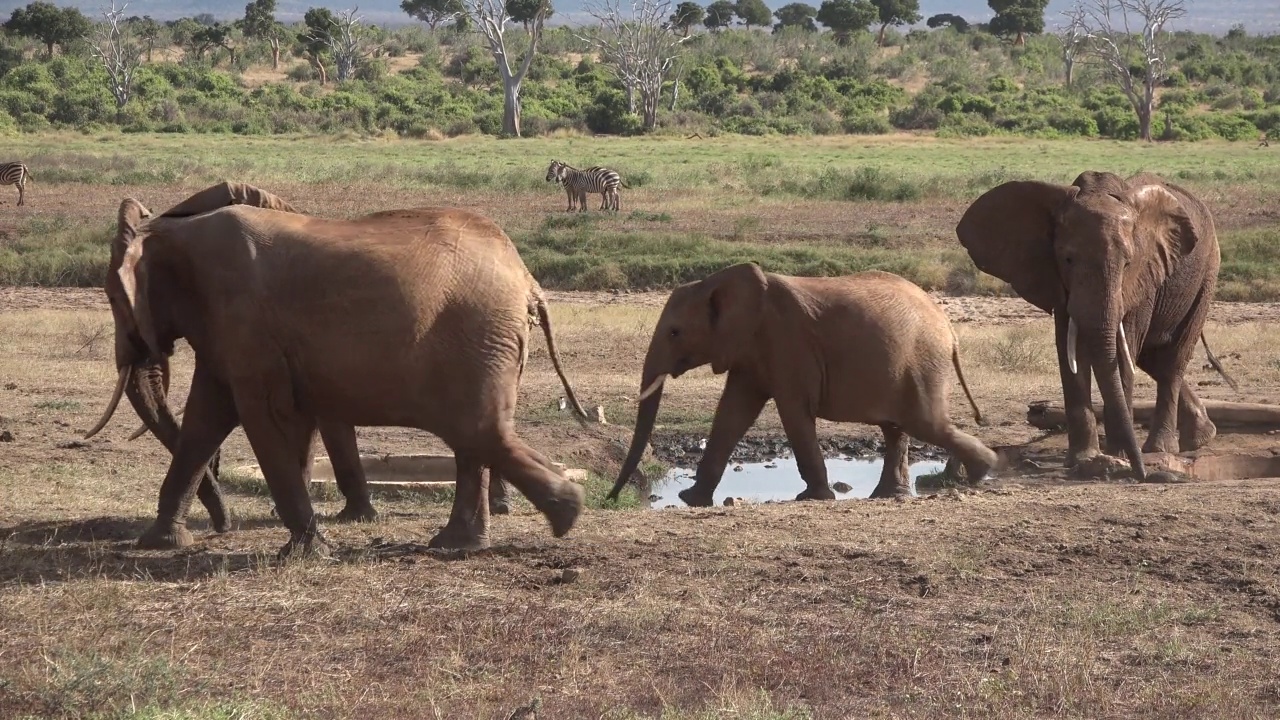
(1033, 596)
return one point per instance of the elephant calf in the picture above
(869, 347)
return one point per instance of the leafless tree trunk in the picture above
(1112, 41)
(491, 18)
(639, 48)
(119, 52)
(1073, 39)
(348, 43)
(274, 41)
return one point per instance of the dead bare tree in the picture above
(114, 45)
(491, 18)
(349, 43)
(638, 47)
(1113, 43)
(1074, 37)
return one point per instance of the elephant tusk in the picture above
(143, 430)
(1072, 333)
(1124, 349)
(125, 372)
(653, 387)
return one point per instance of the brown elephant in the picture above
(869, 347)
(415, 318)
(1128, 270)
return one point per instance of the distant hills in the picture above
(1214, 16)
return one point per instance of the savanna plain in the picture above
(1032, 595)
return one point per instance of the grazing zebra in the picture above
(595, 179)
(15, 173)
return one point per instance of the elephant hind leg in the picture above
(1195, 429)
(557, 498)
(344, 455)
(978, 459)
(895, 479)
(498, 504)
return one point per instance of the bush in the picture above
(867, 125)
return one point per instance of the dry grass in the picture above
(1026, 600)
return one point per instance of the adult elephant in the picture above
(417, 318)
(869, 347)
(1128, 270)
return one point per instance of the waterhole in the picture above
(780, 480)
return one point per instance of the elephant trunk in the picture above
(1108, 347)
(651, 385)
(148, 393)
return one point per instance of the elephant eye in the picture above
(675, 332)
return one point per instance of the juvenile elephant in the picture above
(869, 347)
(417, 318)
(1128, 270)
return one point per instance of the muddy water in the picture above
(780, 480)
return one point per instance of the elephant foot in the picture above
(357, 513)
(459, 537)
(1197, 436)
(888, 491)
(304, 545)
(977, 471)
(694, 497)
(1162, 442)
(812, 493)
(499, 507)
(563, 507)
(1077, 457)
(165, 536)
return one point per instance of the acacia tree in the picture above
(637, 48)
(119, 51)
(846, 16)
(686, 15)
(1111, 41)
(314, 40)
(526, 11)
(953, 21)
(49, 23)
(1073, 39)
(491, 18)
(753, 12)
(719, 15)
(1018, 18)
(797, 15)
(433, 12)
(260, 23)
(895, 12)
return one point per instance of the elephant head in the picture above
(1095, 250)
(146, 308)
(709, 321)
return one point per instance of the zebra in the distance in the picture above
(15, 173)
(595, 179)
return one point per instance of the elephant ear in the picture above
(1166, 223)
(131, 268)
(735, 301)
(1008, 232)
(228, 193)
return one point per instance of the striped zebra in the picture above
(15, 173)
(595, 179)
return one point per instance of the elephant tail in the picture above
(1213, 360)
(544, 319)
(955, 362)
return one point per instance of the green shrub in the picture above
(867, 125)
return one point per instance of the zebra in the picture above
(15, 173)
(595, 179)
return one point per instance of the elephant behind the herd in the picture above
(416, 318)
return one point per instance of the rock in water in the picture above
(841, 487)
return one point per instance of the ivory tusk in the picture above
(125, 372)
(1124, 349)
(143, 430)
(653, 387)
(1072, 333)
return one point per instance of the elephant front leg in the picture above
(1077, 388)
(895, 477)
(344, 455)
(210, 494)
(801, 427)
(468, 526)
(498, 503)
(210, 417)
(1195, 429)
(740, 405)
(1164, 421)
